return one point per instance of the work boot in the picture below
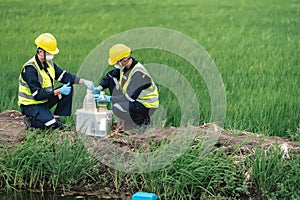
(57, 125)
(27, 121)
(61, 125)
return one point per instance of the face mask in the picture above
(49, 57)
(118, 66)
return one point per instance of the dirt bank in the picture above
(12, 132)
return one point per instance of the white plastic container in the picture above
(93, 123)
(89, 103)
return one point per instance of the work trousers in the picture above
(133, 113)
(40, 114)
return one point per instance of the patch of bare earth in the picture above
(12, 127)
(232, 140)
(12, 131)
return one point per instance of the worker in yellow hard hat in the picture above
(134, 95)
(37, 94)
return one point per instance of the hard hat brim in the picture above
(54, 52)
(110, 62)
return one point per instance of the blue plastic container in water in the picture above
(144, 196)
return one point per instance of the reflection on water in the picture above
(43, 196)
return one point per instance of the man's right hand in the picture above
(106, 99)
(88, 84)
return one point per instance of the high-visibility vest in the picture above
(149, 96)
(25, 96)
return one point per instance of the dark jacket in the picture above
(30, 75)
(139, 82)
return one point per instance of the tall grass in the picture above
(193, 176)
(61, 163)
(219, 175)
(255, 46)
(47, 161)
(272, 175)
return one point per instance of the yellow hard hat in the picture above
(118, 52)
(47, 42)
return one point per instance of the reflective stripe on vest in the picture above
(25, 95)
(149, 96)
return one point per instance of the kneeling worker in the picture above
(134, 95)
(36, 87)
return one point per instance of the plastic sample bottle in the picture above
(89, 103)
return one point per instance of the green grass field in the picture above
(255, 45)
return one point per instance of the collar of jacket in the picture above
(134, 62)
(39, 62)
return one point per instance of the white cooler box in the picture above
(93, 123)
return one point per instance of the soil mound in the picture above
(12, 131)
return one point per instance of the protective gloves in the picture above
(96, 90)
(65, 89)
(88, 84)
(104, 99)
(96, 96)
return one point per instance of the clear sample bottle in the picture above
(102, 106)
(89, 103)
